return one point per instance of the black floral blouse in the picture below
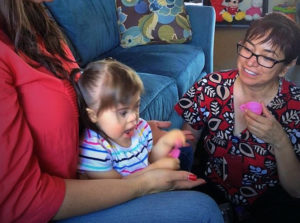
(243, 167)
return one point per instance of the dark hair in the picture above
(103, 84)
(280, 30)
(26, 23)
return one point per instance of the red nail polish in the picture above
(192, 177)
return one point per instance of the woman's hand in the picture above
(156, 128)
(266, 127)
(85, 196)
(158, 180)
(166, 163)
(157, 132)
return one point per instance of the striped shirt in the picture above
(97, 154)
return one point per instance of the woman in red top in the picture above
(39, 139)
(250, 155)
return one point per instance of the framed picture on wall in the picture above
(237, 12)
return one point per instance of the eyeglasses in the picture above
(263, 61)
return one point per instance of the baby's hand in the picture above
(172, 139)
(167, 163)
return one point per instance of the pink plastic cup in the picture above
(252, 106)
(175, 152)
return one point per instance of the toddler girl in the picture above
(116, 142)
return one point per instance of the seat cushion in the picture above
(182, 62)
(159, 98)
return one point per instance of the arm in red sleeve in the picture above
(27, 194)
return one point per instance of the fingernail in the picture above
(192, 177)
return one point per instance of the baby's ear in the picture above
(92, 115)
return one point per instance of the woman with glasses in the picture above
(253, 159)
(39, 140)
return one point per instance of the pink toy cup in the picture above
(175, 152)
(252, 106)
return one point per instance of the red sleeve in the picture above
(27, 193)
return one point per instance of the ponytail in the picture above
(84, 120)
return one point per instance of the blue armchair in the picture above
(167, 70)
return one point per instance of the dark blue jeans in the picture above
(173, 207)
(186, 158)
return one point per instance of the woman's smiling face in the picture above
(251, 72)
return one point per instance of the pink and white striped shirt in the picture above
(97, 154)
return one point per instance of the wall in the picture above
(226, 39)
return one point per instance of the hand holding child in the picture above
(167, 163)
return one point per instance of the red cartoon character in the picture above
(219, 8)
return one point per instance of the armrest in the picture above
(203, 22)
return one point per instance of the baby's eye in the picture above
(123, 113)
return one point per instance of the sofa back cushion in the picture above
(90, 25)
(182, 62)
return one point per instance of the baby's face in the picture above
(119, 123)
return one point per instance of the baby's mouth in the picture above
(129, 132)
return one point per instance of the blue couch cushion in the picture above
(90, 25)
(153, 102)
(182, 62)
